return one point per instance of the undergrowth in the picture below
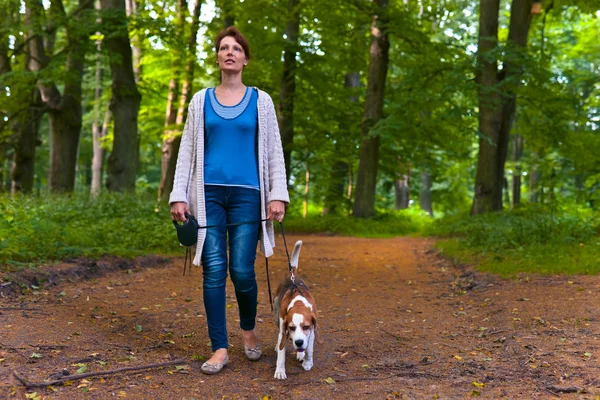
(530, 239)
(35, 229)
(39, 228)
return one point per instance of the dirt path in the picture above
(397, 322)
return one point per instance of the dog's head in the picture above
(300, 322)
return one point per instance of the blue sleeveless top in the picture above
(230, 157)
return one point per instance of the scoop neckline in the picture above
(214, 95)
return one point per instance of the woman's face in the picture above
(231, 56)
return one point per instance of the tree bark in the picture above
(125, 101)
(496, 110)
(131, 8)
(172, 141)
(425, 194)
(516, 176)
(402, 192)
(288, 84)
(339, 173)
(98, 129)
(64, 110)
(25, 124)
(364, 201)
(228, 13)
(26, 128)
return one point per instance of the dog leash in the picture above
(188, 255)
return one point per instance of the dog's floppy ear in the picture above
(286, 332)
(317, 331)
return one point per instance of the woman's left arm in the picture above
(278, 196)
(277, 177)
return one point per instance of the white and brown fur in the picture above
(296, 315)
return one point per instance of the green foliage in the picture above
(35, 229)
(387, 224)
(531, 239)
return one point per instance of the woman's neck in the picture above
(231, 83)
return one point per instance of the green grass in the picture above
(34, 229)
(384, 225)
(530, 240)
(37, 229)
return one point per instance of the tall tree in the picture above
(125, 101)
(364, 200)
(339, 173)
(177, 107)
(99, 129)
(497, 98)
(288, 83)
(131, 9)
(64, 109)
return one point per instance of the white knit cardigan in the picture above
(189, 173)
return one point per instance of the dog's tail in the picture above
(296, 254)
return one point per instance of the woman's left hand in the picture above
(276, 210)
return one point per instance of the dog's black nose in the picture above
(299, 343)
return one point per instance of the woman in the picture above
(230, 169)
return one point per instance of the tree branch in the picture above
(28, 384)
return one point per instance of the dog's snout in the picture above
(299, 342)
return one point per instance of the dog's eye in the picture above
(292, 328)
(306, 327)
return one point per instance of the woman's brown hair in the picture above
(237, 35)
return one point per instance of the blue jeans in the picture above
(227, 205)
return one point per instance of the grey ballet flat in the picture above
(214, 368)
(253, 354)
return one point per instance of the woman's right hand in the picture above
(178, 210)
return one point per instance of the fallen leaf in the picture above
(459, 358)
(330, 381)
(138, 327)
(587, 354)
(121, 393)
(478, 384)
(35, 355)
(82, 369)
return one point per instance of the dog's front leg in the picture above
(280, 369)
(307, 364)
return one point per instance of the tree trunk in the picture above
(171, 143)
(131, 8)
(488, 191)
(288, 84)
(402, 192)
(335, 192)
(364, 202)
(425, 194)
(516, 176)
(125, 101)
(98, 130)
(496, 111)
(64, 110)
(228, 13)
(26, 129)
(306, 187)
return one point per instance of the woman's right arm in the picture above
(185, 158)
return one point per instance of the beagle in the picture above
(296, 315)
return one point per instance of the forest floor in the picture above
(397, 321)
